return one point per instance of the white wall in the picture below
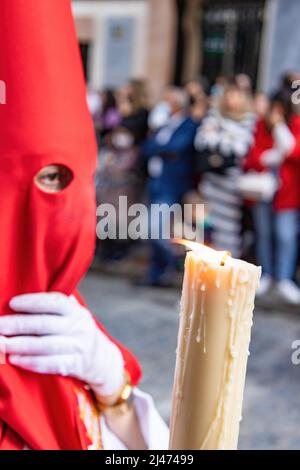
(281, 40)
(99, 13)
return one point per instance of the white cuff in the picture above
(154, 429)
(284, 139)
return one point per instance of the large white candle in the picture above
(213, 348)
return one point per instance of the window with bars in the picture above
(231, 32)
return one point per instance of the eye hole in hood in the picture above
(53, 178)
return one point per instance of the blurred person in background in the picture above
(217, 90)
(160, 113)
(94, 101)
(261, 103)
(202, 226)
(222, 142)
(107, 117)
(276, 149)
(133, 106)
(169, 157)
(288, 82)
(119, 173)
(244, 82)
(120, 165)
(198, 100)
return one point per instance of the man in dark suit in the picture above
(169, 156)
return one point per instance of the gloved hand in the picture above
(54, 334)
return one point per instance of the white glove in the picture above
(59, 336)
(272, 158)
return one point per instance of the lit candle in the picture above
(213, 348)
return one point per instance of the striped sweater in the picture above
(232, 139)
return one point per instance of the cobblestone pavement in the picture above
(146, 321)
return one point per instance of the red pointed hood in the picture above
(47, 240)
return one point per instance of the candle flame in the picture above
(207, 253)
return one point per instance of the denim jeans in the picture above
(162, 259)
(276, 240)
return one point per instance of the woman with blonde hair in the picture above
(222, 141)
(132, 104)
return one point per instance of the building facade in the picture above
(172, 41)
(127, 39)
(228, 35)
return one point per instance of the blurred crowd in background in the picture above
(224, 146)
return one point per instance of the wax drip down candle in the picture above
(213, 348)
